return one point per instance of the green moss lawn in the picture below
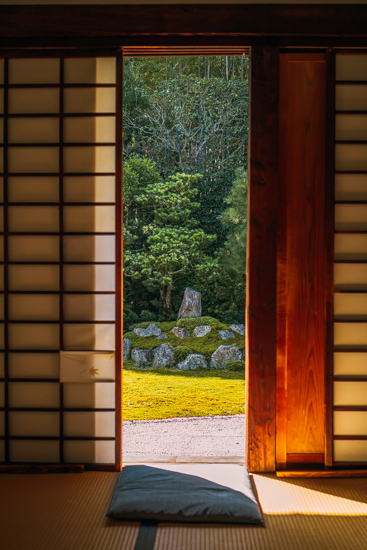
(150, 394)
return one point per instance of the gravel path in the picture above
(198, 436)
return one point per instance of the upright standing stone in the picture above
(126, 344)
(191, 304)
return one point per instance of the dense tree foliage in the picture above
(183, 116)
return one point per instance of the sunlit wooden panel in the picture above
(33, 101)
(33, 130)
(89, 219)
(350, 306)
(350, 247)
(33, 189)
(34, 451)
(351, 67)
(350, 364)
(34, 307)
(353, 335)
(1, 277)
(89, 307)
(89, 277)
(42, 219)
(89, 100)
(98, 248)
(350, 217)
(350, 423)
(34, 71)
(34, 423)
(89, 336)
(2, 365)
(89, 424)
(89, 159)
(92, 452)
(2, 423)
(40, 336)
(99, 70)
(2, 450)
(34, 365)
(1, 189)
(1, 100)
(350, 276)
(79, 366)
(350, 157)
(40, 395)
(33, 160)
(34, 277)
(29, 248)
(350, 451)
(89, 129)
(351, 127)
(89, 189)
(350, 97)
(353, 394)
(2, 394)
(351, 187)
(100, 395)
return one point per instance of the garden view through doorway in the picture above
(185, 142)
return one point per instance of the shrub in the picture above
(194, 322)
(181, 352)
(235, 366)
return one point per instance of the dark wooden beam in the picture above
(193, 19)
(261, 314)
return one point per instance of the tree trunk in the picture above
(165, 298)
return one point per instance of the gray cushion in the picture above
(193, 493)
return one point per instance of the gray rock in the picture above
(241, 329)
(192, 362)
(142, 356)
(152, 330)
(202, 330)
(191, 304)
(181, 332)
(162, 336)
(223, 355)
(126, 344)
(163, 356)
(225, 334)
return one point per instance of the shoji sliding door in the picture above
(350, 260)
(60, 176)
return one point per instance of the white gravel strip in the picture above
(197, 436)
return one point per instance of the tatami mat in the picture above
(67, 512)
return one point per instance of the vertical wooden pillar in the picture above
(301, 260)
(261, 261)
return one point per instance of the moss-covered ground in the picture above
(150, 394)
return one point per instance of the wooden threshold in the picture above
(42, 468)
(321, 473)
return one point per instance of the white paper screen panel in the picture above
(95, 452)
(33, 189)
(34, 451)
(350, 364)
(1, 159)
(34, 277)
(88, 159)
(35, 219)
(90, 71)
(2, 423)
(89, 277)
(350, 306)
(2, 365)
(34, 365)
(89, 424)
(352, 335)
(89, 189)
(350, 276)
(350, 451)
(351, 67)
(2, 394)
(349, 97)
(34, 101)
(34, 71)
(89, 129)
(34, 307)
(351, 127)
(350, 157)
(350, 247)
(353, 394)
(29, 248)
(79, 366)
(100, 395)
(34, 394)
(1, 101)
(1, 189)
(81, 336)
(350, 423)
(97, 248)
(89, 307)
(34, 423)
(28, 160)
(351, 217)
(40, 336)
(89, 100)
(89, 219)
(33, 130)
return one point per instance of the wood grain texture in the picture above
(302, 294)
(261, 262)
